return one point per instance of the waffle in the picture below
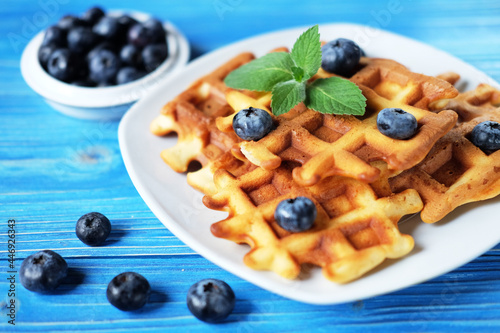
(355, 230)
(327, 145)
(480, 102)
(192, 116)
(456, 172)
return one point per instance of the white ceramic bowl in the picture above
(104, 103)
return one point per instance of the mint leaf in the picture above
(286, 95)
(306, 52)
(298, 73)
(263, 73)
(335, 95)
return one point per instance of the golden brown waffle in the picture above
(354, 230)
(456, 172)
(192, 116)
(480, 102)
(326, 145)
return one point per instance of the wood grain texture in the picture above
(53, 169)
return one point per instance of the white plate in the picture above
(462, 236)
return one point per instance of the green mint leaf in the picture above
(335, 95)
(298, 73)
(286, 95)
(263, 73)
(306, 52)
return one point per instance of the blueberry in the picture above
(252, 123)
(154, 55)
(340, 56)
(104, 66)
(131, 55)
(106, 45)
(210, 300)
(55, 36)
(109, 29)
(126, 21)
(44, 53)
(156, 30)
(396, 123)
(93, 15)
(128, 291)
(296, 215)
(62, 65)
(93, 228)
(486, 135)
(139, 35)
(43, 271)
(69, 22)
(82, 39)
(128, 74)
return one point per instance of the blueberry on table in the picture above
(296, 215)
(62, 65)
(44, 53)
(93, 228)
(128, 291)
(43, 271)
(153, 56)
(54, 36)
(69, 22)
(252, 124)
(210, 300)
(396, 123)
(486, 135)
(82, 39)
(93, 15)
(131, 55)
(156, 30)
(128, 74)
(340, 56)
(104, 66)
(139, 35)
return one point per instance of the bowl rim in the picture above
(101, 97)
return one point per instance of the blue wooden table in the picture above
(53, 169)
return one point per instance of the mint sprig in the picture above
(286, 75)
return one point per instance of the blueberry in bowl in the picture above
(82, 80)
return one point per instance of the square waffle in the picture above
(355, 230)
(326, 145)
(192, 116)
(456, 172)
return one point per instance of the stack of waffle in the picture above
(361, 181)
